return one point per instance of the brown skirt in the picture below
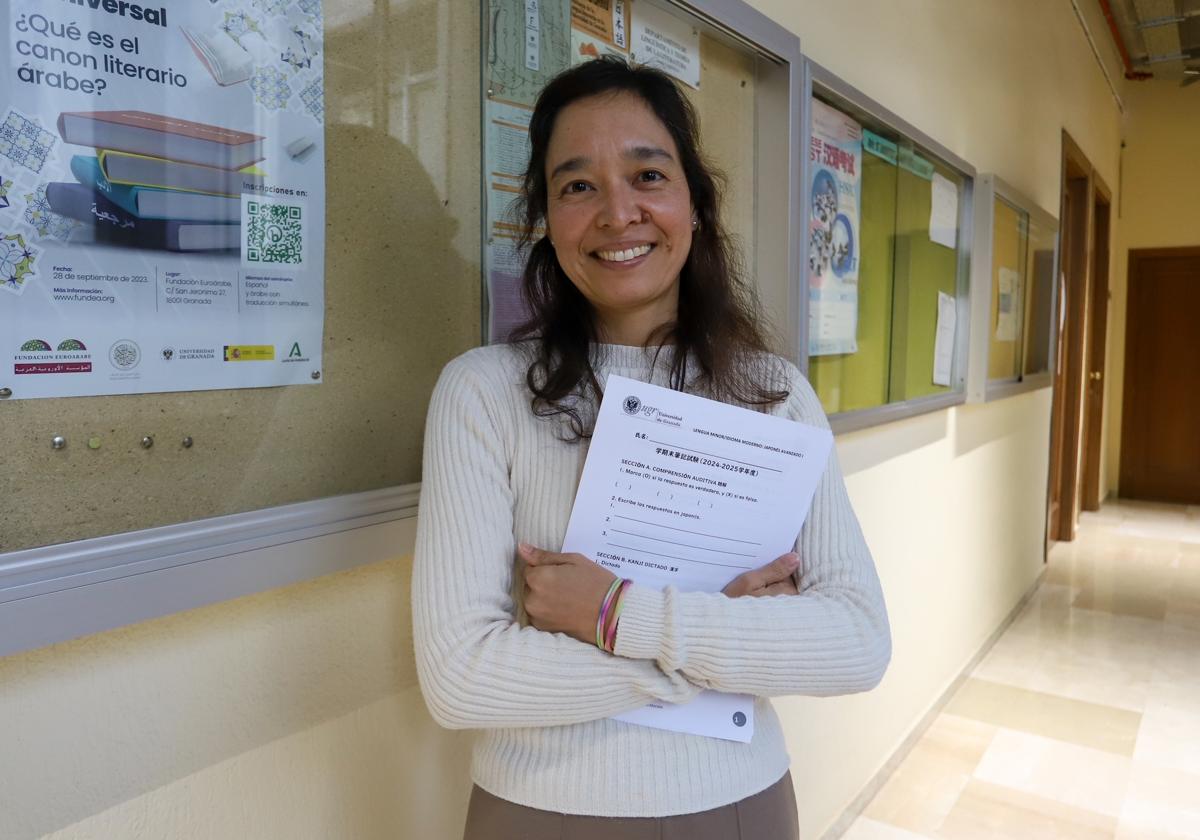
(769, 815)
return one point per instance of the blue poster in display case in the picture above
(835, 153)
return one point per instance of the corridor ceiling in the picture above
(1160, 36)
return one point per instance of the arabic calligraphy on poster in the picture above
(833, 231)
(161, 196)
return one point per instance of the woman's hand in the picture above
(775, 578)
(563, 592)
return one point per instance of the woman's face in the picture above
(619, 212)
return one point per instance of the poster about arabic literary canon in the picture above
(833, 232)
(162, 197)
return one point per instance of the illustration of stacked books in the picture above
(157, 181)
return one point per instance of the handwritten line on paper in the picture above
(675, 557)
(681, 545)
(684, 530)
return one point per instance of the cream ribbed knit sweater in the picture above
(495, 474)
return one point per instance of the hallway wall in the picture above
(953, 503)
(1160, 208)
(295, 713)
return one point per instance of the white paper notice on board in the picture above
(528, 44)
(943, 343)
(1006, 304)
(533, 35)
(507, 155)
(943, 211)
(664, 41)
(682, 491)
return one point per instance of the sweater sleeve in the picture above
(832, 638)
(479, 668)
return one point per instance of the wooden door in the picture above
(1160, 436)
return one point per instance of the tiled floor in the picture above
(1083, 721)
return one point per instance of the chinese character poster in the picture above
(835, 157)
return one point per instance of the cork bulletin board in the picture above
(402, 297)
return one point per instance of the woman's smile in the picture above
(623, 256)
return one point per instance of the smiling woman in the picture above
(633, 276)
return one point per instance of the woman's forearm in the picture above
(478, 667)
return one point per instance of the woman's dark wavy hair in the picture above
(716, 328)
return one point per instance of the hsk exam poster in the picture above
(833, 232)
(161, 195)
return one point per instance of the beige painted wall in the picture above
(295, 713)
(289, 714)
(1160, 208)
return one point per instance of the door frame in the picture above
(1083, 274)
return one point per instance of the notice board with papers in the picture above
(387, 96)
(887, 246)
(403, 118)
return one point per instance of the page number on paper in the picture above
(274, 233)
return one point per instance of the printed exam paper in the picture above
(683, 491)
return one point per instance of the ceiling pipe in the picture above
(1130, 73)
(1167, 21)
(1179, 56)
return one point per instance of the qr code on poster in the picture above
(274, 233)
